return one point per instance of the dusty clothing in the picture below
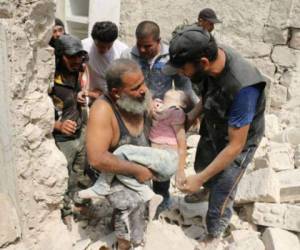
(129, 208)
(64, 96)
(75, 153)
(218, 95)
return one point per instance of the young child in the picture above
(165, 157)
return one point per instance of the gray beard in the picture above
(133, 106)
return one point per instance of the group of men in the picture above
(232, 115)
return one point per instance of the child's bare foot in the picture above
(153, 204)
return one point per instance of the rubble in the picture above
(289, 185)
(278, 239)
(280, 156)
(260, 185)
(283, 216)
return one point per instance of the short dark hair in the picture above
(106, 32)
(147, 28)
(116, 71)
(210, 51)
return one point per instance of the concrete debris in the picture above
(251, 243)
(280, 156)
(260, 185)
(289, 185)
(172, 235)
(272, 125)
(283, 216)
(278, 239)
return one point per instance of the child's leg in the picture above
(162, 162)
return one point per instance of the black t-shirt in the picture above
(64, 96)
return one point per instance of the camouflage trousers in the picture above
(129, 214)
(75, 153)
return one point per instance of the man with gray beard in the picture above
(119, 118)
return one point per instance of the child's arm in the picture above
(181, 148)
(194, 114)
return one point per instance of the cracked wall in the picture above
(33, 171)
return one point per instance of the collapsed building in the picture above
(33, 174)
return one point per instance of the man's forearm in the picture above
(223, 160)
(193, 115)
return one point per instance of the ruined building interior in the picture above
(33, 175)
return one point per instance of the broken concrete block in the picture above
(272, 125)
(192, 141)
(289, 135)
(289, 185)
(239, 235)
(275, 35)
(283, 216)
(10, 229)
(280, 156)
(166, 236)
(252, 243)
(260, 185)
(278, 239)
(284, 56)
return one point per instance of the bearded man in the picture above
(118, 118)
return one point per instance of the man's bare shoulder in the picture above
(101, 108)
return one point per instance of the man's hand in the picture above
(144, 174)
(192, 184)
(180, 179)
(67, 127)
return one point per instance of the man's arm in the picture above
(181, 149)
(193, 114)
(99, 139)
(237, 140)
(241, 114)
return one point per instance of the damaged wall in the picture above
(33, 171)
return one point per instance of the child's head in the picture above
(175, 98)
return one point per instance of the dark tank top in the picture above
(125, 136)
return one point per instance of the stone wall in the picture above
(33, 172)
